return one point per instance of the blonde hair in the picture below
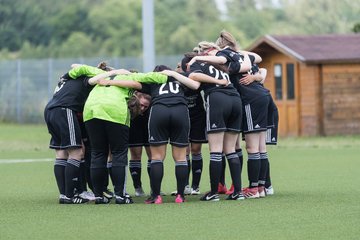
(204, 45)
(226, 39)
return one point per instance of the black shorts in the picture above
(107, 136)
(256, 115)
(272, 131)
(169, 122)
(198, 127)
(223, 113)
(64, 128)
(139, 134)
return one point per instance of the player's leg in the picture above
(61, 157)
(181, 171)
(158, 153)
(264, 164)
(118, 135)
(230, 139)
(253, 164)
(99, 156)
(196, 167)
(135, 169)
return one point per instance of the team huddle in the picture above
(98, 114)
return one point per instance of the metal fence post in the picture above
(50, 73)
(18, 92)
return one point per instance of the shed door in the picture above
(286, 99)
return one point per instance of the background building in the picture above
(315, 81)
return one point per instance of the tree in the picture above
(356, 28)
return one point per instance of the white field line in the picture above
(5, 161)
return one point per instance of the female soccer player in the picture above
(138, 138)
(63, 125)
(107, 119)
(256, 100)
(224, 115)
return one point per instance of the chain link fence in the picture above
(27, 85)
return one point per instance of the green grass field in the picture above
(316, 197)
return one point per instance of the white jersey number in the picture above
(217, 72)
(172, 88)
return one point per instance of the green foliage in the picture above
(43, 28)
(356, 28)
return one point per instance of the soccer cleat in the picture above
(155, 200)
(251, 192)
(87, 195)
(62, 198)
(195, 191)
(261, 190)
(222, 188)
(213, 197)
(230, 190)
(123, 199)
(269, 190)
(102, 200)
(139, 192)
(74, 200)
(236, 196)
(187, 190)
(179, 199)
(108, 194)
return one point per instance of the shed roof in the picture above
(335, 48)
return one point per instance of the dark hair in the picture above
(104, 66)
(160, 68)
(187, 58)
(134, 106)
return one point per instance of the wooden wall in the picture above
(310, 100)
(327, 98)
(341, 99)
(288, 109)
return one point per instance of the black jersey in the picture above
(169, 93)
(210, 70)
(254, 90)
(234, 60)
(70, 93)
(195, 101)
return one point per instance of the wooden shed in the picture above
(315, 82)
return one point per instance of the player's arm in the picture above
(257, 57)
(120, 83)
(245, 64)
(83, 70)
(263, 73)
(151, 77)
(94, 80)
(201, 77)
(182, 79)
(258, 76)
(210, 59)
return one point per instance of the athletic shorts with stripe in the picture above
(139, 134)
(169, 122)
(198, 127)
(272, 132)
(223, 112)
(64, 128)
(256, 115)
